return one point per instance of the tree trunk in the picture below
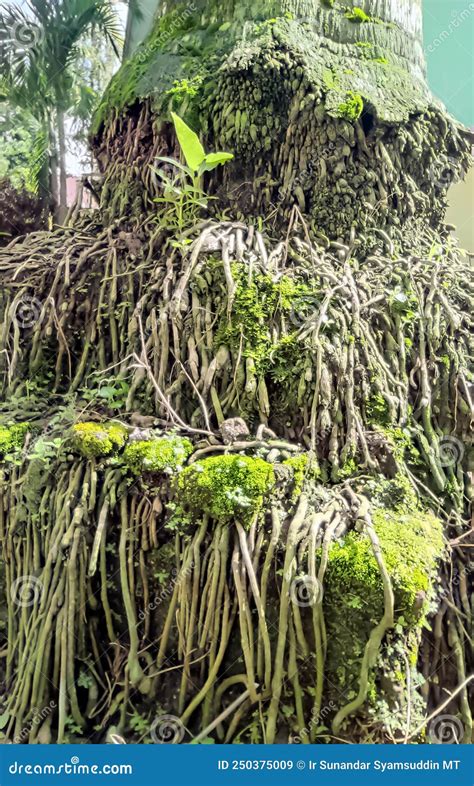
(62, 205)
(284, 389)
(319, 108)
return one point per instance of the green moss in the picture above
(225, 487)
(165, 455)
(12, 438)
(357, 14)
(412, 542)
(377, 410)
(98, 439)
(352, 108)
(185, 87)
(304, 466)
(254, 307)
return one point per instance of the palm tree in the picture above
(41, 46)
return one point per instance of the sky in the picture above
(449, 37)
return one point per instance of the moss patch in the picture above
(352, 108)
(304, 466)
(12, 438)
(412, 543)
(225, 487)
(165, 455)
(93, 440)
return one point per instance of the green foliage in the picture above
(225, 487)
(182, 193)
(19, 153)
(98, 439)
(196, 158)
(165, 455)
(377, 410)
(111, 391)
(352, 108)
(328, 3)
(12, 438)
(185, 87)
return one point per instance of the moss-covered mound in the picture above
(12, 438)
(92, 439)
(163, 455)
(412, 545)
(225, 487)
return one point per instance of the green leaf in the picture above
(192, 149)
(212, 160)
(4, 719)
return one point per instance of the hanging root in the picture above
(352, 376)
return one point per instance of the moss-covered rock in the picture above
(164, 455)
(12, 438)
(98, 439)
(225, 487)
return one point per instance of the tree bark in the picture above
(62, 205)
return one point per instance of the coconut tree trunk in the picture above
(62, 205)
(324, 106)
